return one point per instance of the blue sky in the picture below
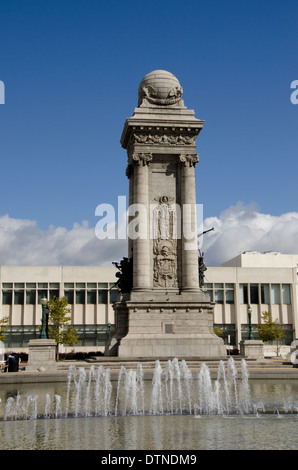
(71, 71)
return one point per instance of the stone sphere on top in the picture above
(159, 88)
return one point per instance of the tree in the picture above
(218, 331)
(58, 327)
(3, 325)
(271, 330)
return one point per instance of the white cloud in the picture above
(22, 242)
(242, 228)
(239, 228)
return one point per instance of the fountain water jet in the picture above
(174, 389)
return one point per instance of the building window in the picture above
(275, 294)
(54, 290)
(69, 295)
(41, 294)
(254, 293)
(265, 294)
(286, 294)
(7, 293)
(229, 293)
(53, 293)
(228, 333)
(113, 295)
(30, 296)
(102, 296)
(243, 293)
(218, 293)
(91, 296)
(68, 292)
(80, 293)
(209, 290)
(19, 294)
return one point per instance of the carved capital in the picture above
(189, 160)
(142, 159)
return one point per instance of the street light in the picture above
(43, 332)
(250, 335)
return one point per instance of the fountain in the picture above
(177, 408)
(174, 390)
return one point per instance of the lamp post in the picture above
(250, 335)
(43, 332)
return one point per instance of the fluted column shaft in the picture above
(141, 244)
(190, 274)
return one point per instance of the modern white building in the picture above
(90, 291)
(263, 281)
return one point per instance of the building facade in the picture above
(263, 281)
(90, 292)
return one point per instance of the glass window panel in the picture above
(208, 285)
(30, 297)
(113, 295)
(80, 296)
(30, 285)
(80, 285)
(265, 294)
(68, 285)
(42, 285)
(218, 296)
(7, 297)
(54, 293)
(19, 297)
(219, 285)
(102, 296)
(229, 286)
(69, 295)
(254, 293)
(91, 285)
(7, 285)
(243, 293)
(210, 292)
(19, 285)
(286, 294)
(54, 285)
(91, 297)
(42, 293)
(229, 296)
(103, 285)
(275, 294)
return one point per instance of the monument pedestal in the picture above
(168, 325)
(42, 355)
(252, 349)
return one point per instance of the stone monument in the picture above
(165, 313)
(42, 351)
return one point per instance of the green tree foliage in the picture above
(217, 331)
(3, 325)
(58, 326)
(270, 330)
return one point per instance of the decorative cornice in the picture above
(169, 139)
